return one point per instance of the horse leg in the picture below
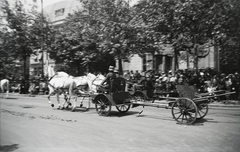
(67, 99)
(49, 101)
(74, 104)
(59, 105)
(1, 91)
(89, 102)
(81, 104)
(7, 94)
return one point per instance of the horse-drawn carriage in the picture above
(186, 107)
(115, 95)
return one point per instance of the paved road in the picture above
(29, 124)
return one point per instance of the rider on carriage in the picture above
(109, 76)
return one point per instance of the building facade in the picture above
(164, 60)
(56, 14)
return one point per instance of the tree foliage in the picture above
(99, 31)
(188, 25)
(230, 41)
(22, 34)
(105, 30)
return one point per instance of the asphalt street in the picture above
(30, 124)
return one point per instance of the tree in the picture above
(23, 34)
(230, 39)
(100, 30)
(187, 25)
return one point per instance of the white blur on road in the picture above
(29, 124)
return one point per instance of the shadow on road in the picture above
(156, 117)
(77, 109)
(8, 148)
(119, 114)
(200, 122)
(10, 98)
(208, 120)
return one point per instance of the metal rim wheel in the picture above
(202, 110)
(102, 105)
(123, 108)
(184, 111)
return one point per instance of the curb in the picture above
(225, 105)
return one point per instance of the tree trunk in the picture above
(120, 66)
(26, 73)
(196, 59)
(175, 66)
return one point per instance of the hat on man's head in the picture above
(116, 70)
(111, 68)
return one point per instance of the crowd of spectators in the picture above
(157, 81)
(161, 81)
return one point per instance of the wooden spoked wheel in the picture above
(184, 111)
(202, 110)
(123, 108)
(102, 105)
(139, 96)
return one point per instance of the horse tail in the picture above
(72, 88)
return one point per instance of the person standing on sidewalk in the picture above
(236, 85)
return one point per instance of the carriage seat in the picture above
(117, 85)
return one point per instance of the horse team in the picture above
(62, 83)
(71, 87)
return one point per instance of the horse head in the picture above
(91, 76)
(98, 80)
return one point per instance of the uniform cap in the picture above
(111, 68)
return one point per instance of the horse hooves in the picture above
(52, 105)
(69, 104)
(73, 110)
(81, 105)
(62, 108)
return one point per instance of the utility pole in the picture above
(42, 43)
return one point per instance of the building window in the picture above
(59, 12)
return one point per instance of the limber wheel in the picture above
(184, 111)
(138, 97)
(202, 110)
(102, 105)
(123, 108)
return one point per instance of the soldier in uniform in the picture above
(109, 76)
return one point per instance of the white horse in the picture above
(86, 85)
(59, 83)
(4, 85)
(97, 82)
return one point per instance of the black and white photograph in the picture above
(119, 75)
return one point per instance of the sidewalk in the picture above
(226, 103)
